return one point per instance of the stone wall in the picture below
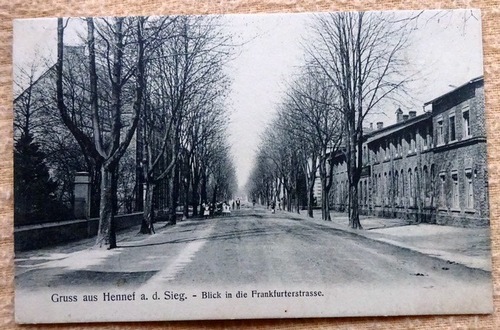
(48, 234)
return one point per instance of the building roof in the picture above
(378, 134)
(439, 98)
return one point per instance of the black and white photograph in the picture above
(242, 166)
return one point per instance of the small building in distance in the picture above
(428, 168)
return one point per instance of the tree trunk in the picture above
(326, 200)
(139, 171)
(214, 200)
(194, 193)
(95, 189)
(354, 222)
(310, 198)
(147, 226)
(325, 211)
(353, 193)
(322, 178)
(204, 195)
(106, 232)
(174, 196)
(186, 194)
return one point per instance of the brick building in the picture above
(430, 167)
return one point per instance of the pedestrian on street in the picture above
(226, 211)
(206, 211)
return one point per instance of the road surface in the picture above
(255, 249)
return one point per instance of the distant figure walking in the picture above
(238, 204)
(226, 211)
(233, 204)
(273, 207)
(253, 203)
(206, 210)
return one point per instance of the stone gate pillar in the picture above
(82, 195)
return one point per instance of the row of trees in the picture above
(141, 102)
(354, 63)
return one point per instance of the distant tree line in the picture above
(353, 63)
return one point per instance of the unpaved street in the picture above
(250, 246)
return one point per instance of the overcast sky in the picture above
(446, 52)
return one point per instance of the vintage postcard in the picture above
(250, 166)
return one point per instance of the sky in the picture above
(444, 52)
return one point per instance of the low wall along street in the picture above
(42, 235)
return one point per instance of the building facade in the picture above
(429, 168)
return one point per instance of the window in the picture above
(442, 194)
(396, 187)
(380, 185)
(432, 179)
(402, 185)
(413, 145)
(390, 198)
(416, 185)
(453, 136)
(410, 186)
(408, 143)
(469, 189)
(425, 136)
(425, 181)
(455, 201)
(360, 194)
(439, 132)
(466, 123)
(414, 141)
(341, 191)
(365, 193)
(384, 189)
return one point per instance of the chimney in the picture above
(399, 115)
(405, 117)
(412, 114)
(380, 125)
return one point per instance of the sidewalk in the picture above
(466, 246)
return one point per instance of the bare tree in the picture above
(110, 135)
(314, 116)
(185, 90)
(361, 55)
